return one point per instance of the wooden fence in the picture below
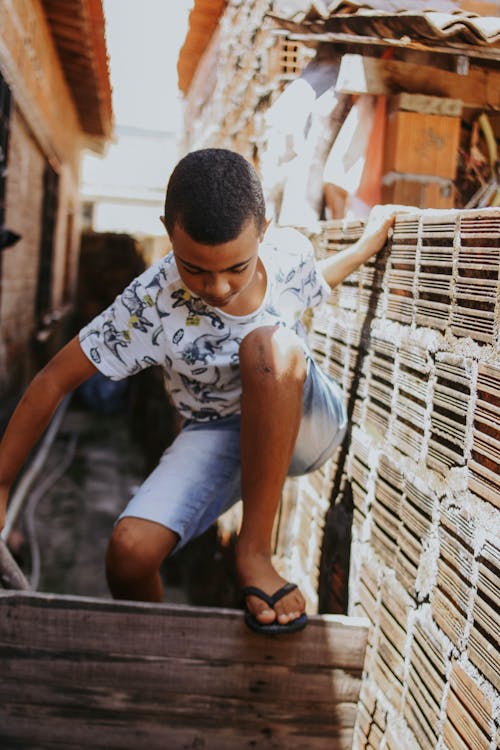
(88, 673)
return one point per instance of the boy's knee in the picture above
(129, 556)
(273, 352)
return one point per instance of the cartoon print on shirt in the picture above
(147, 360)
(281, 278)
(203, 392)
(205, 414)
(156, 286)
(178, 336)
(311, 280)
(136, 306)
(196, 307)
(167, 367)
(94, 352)
(156, 335)
(139, 365)
(197, 346)
(203, 348)
(271, 310)
(157, 283)
(301, 292)
(234, 359)
(114, 339)
(95, 355)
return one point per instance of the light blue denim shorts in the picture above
(198, 476)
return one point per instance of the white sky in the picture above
(143, 39)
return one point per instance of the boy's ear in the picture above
(162, 219)
(264, 229)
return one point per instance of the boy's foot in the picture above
(256, 570)
(273, 628)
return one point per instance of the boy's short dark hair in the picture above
(211, 194)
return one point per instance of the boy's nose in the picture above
(217, 286)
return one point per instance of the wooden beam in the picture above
(95, 673)
(488, 53)
(369, 75)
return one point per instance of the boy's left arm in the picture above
(339, 266)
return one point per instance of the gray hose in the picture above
(34, 498)
(19, 496)
(11, 575)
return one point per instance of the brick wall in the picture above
(424, 467)
(43, 129)
(242, 71)
(20, 263)
(32, 69)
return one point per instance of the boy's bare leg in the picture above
(273, 371)
(136, 550)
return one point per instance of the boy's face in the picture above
(228, 275)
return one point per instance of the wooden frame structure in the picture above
(80, 672)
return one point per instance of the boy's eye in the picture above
(195, 272)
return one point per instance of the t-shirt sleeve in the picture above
(313, 287)
(125, 338)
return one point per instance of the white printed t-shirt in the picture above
(158, 321)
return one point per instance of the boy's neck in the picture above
(252, 297)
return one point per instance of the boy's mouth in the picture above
(218, 302)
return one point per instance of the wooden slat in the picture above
(484, 655)
(102, 674)
(45, 728)
(426, 686)
(469, 709)
(369, 75)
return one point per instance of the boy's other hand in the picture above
(336, 267)
(379, 222)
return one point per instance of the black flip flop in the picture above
(272, 628)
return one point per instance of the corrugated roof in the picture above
(385, 20)
(77, 27)
(203, 20)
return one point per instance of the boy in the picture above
(220, 314)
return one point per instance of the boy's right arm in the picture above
(66, 371)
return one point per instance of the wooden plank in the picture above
(183, 676)
(421, 144)
(91, 624)
(489, 570)
(370, 75)
(42, 727)
(124, 709)
(471, 708)
(464, 721)
(484, 655)
(430, 105)
(103, 674)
